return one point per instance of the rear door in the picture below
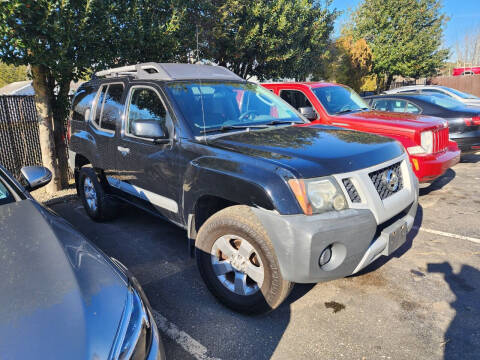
(147, 172)
(105, 115)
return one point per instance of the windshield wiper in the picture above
(349, 111)
(224, 128)
(281, 122)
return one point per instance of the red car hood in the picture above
(377, 120)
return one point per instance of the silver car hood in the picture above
(59, 297)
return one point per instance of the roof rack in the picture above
(171, 71)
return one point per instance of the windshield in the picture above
(209, 106)
(339, 99)
(460, 93)
(444, 101)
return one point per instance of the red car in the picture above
(469, 70)
(425, 138)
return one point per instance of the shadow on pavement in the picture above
(439, 183)
(470, 158)
(462, 338)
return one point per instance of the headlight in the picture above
(426, 144)
(318, 195)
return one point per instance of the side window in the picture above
(112, 107)
(398, 105)
(381, 105)
(145, 105)
(98, 110)
(5, 196)
(295, 98)
(82, 102)
(412, 109)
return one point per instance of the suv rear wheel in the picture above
(96, 202)
(238, 263)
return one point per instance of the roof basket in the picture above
(171, 71)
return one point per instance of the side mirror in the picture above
(35, 177)
(308, 112)
(150, 129)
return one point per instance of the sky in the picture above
(464, 15)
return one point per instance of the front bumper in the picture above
(428, 168)
(357, 241)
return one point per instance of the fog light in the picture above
(325, 256)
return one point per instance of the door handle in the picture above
(340, 124)
(125, 151)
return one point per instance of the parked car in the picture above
(463, 121)
(425, 138)
(463, 97)
(466, 70)
(60, 297)
(267, 200)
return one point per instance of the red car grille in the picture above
(440, 140)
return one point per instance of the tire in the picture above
(98, 205)
(222, 238)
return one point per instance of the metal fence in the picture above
(19, 141)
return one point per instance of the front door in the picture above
(146, 169)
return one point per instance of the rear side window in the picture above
(98, 111)
(295, 98)
(82, 102)
(412, 109)
(112, 107)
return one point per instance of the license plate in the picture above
(397, 237)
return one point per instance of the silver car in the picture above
(61, 297)
(467, 99)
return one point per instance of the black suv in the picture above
(267, 198)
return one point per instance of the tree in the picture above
(10, 73)
(353, 62)
(467, 50)
(405, 36)
(266, 38)
(58, 39)
(67, 40)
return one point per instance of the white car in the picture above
(467, 99)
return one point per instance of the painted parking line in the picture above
(189, 344)
(443, 233)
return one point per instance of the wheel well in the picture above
(80, 161)
(205, 207)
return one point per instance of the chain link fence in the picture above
(19, 140)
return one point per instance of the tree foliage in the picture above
(353, 62)
(11, 73)
(405, 36)
(265, 38)
(65, 40)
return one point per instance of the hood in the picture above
(60, 297)
(383, 120)
(313, 150)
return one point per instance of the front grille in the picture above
(440, 140)
(380, 179)
(351, 190)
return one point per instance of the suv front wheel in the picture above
(238, 263)
(96, 202)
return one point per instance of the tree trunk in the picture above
(389, 81)
(43, 103)
(60, 113)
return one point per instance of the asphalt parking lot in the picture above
(421, 303)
